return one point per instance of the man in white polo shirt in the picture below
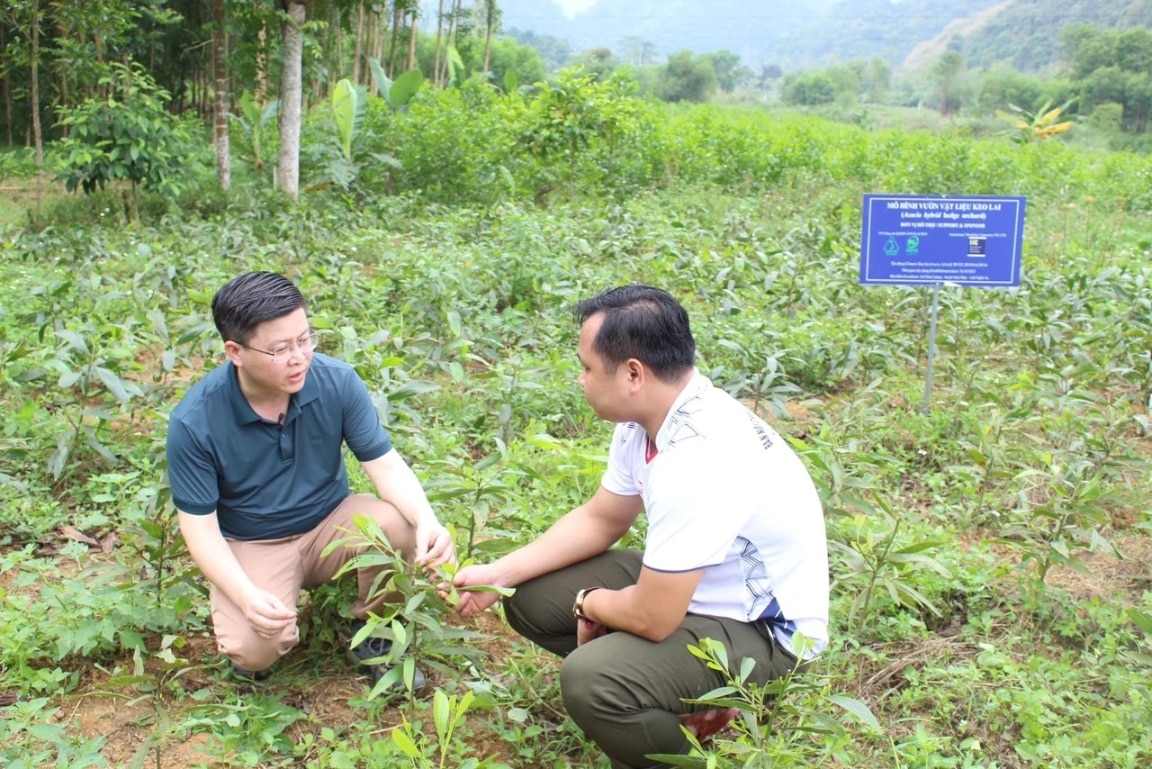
(735, 548)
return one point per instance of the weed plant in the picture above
(982, 612)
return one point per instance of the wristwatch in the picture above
(578, 606)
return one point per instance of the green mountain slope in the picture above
(758, 31)
(862, 29)
(1026, 33)
(800, 34)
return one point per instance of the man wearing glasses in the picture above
(255, 461)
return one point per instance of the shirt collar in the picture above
(696, 385)
(243, 411)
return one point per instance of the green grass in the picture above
(980, 614)
(20, 197)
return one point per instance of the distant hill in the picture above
(791, 33)
(757, 30)
(969, 28)
(1025, 34)
(798, 34)
(862, 29)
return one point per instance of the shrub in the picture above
(126, 136)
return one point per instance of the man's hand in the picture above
(474, 602)
(588, 630)
(267, 615)
(705, 723)
(434, 546)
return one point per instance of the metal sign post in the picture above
(912, 240)
(931, 348)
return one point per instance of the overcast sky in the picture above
(573, 7)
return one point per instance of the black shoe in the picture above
(249, 675)
(373, 648)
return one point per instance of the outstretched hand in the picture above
(476, 601)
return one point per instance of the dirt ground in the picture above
(128, 721)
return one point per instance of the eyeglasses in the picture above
(281, 354)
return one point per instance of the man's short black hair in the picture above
(248, 300)
(644, 323)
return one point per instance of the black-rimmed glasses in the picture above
(282, 353)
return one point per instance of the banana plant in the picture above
(396, 93)
(1040, 125)
(348, 102)
(254, 118)
(348, 110)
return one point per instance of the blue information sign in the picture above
(965, 241)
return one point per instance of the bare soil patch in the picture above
(133, 724)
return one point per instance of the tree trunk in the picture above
(491, 22)
(397, 15)
(412, 40)
(7, 83)
(439, 41)
(381, 29)
(442, 73)
(261, 65)
(371, 29)
(221, 102)
(336, 25)
(359, 47)
(6, 86)
(453, 15)
(292, 100)
(8, 108)
(37, 134)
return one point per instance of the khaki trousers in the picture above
(291, 564)
(626, 693)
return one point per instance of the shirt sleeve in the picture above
(619, 477)
(191, 472)
(366, 437)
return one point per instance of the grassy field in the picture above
(992, 599)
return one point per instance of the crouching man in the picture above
(258, 478)
(735, 550)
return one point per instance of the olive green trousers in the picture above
(625, 692)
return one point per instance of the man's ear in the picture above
(232, 350)
(636, 372)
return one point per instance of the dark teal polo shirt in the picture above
(263, 479)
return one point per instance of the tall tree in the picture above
(222, 96)
(291, 98)
(25, 19)
(450, 40)
(687, 77)
(398, 8)
(34, 55)
(414, 12)
(637, 51)
(598, 61)
(879, 78)
(946, 75)
(358, 45)
(491, 14)
(728, 69)
(439, 43)
(6, 84)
